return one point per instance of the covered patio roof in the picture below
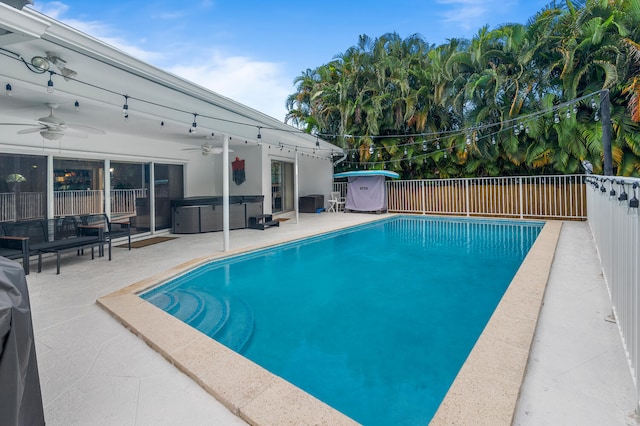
(161, 105)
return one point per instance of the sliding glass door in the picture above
(281, 186)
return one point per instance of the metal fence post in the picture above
(466, 191)
(521, 202)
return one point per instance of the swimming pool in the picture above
(378, 332)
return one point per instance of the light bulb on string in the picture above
(50, 88)
(405, 151)
(194, 126)
(516, 130)
(575, 109)
(125, 107)
(476, 138)
(596, 116)
(556, 118)
(521, 127)
(493, 140)
(424, 145)
(468, 141)
(370, 149)
(594, 106)
(526, 129)
(568, 114)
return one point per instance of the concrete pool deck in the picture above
(94, 371)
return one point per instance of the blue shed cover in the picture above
(366, 191)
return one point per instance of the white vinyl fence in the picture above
(614, 218)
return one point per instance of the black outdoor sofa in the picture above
(22, 239)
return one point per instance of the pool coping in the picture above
(485, 390)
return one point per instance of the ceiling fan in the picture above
(54, 128)
(206, 149)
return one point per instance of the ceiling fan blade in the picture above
(32, 130)
(75, 133)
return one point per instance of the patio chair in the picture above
(336, 202)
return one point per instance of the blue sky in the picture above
(251, 51)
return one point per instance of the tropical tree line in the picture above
(521, 99)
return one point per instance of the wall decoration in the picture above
(238, 171)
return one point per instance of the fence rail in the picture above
(615, 225)
(552, 197)
(558, 197)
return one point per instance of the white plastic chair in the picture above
(336, 202)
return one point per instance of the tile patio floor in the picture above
(93, 371)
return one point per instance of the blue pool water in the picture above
(375, 321)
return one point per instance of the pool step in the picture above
(164, 301)
(227, 319)
(215, 316)
(190, 307)
(237, 330)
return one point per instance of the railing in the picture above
(7, 206)
(615, 224)
(30, 206)
(557, 197)
(553, 197)
(123, 201)
(69, 203)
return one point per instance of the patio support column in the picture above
(50, 193)
(152, 198)
(107, 188)
(295, 187)
(225, 193)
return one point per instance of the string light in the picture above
(194, 126)
(76, 105)
(125, 107)
(8, 90)
(50, 88)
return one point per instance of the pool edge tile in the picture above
(486, 389)
(283, 403)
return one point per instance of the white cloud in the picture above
(471, 14)
(54, 9)
(257, 84)
(100, 30)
